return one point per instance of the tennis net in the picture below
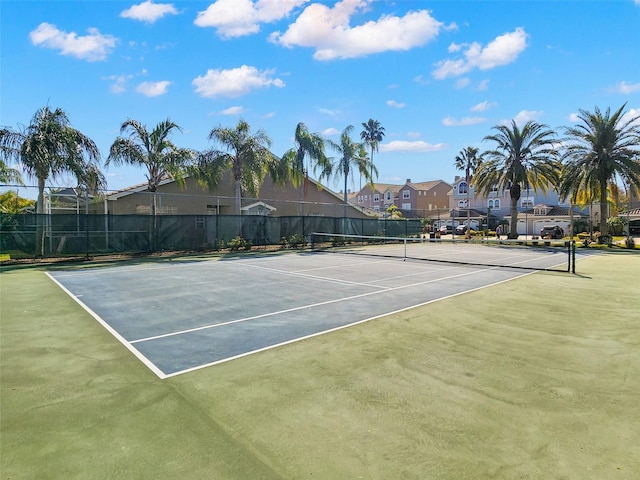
(555, 255)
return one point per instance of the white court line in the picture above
(288, 342)
(111, 330)
(303, 307)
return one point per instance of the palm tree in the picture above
(468, 161)
(309, 146)
(601, 149)
(352, 155)
(243, 152)
(372, 136)
(521, 157)
(152, 150)
(46, 148)
(9, 175)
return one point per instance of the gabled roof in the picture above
(141, 187)
(259, 204)
(554, 211)
(383, 187)
(424, 185)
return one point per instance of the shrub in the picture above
(630, 243)
(239, 243)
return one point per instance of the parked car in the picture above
(551, 231)
(446, 229)
(461, 229)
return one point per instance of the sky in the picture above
(437, 75)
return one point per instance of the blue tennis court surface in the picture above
(181, 315)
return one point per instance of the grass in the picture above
(534, 378)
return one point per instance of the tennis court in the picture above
(188, 314)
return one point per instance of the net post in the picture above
(573, 256)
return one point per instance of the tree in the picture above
(352, 155)
(243, 152)
(522, 157)
(468, 161)
(46, 148)
(10, 202)
(310, 147)
(9, 175)
(600, 150)
(151, 150)
(372, 136)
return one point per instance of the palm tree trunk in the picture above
(238, 195)
(604, 210)
(40, 214)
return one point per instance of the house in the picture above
(535, 209)
(310, 199)
(423, 199)
(377, 198)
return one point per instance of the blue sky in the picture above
(437, 75)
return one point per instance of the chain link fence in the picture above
(24, 236)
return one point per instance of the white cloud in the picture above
(233, 111)
(421, 80)
(574, 118)
(501, 51)
(236, 18)
(153, 89)
(523, 116)
(119, 84)
(483, 106)
(462, 83)
(407, 146)
(148, 11)
(394, 104)
(330, 131)
(414, 134)
(630, 115)
(327, 111)
(454, 47)
(483, 85)
(453, 122)
(329, 32)
(234, 82)
(92, 47)
(626, 88)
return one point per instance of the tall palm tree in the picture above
(310, 147)
(48, 147)
(151, 150)
(243, 152)
(352, 155)
(468, 161)
(372, 135)
(522, 157)
(601, 149)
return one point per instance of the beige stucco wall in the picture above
(193, 199)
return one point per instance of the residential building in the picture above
(310, 199)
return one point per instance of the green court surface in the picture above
(535, 378)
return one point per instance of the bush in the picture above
(239, 243)
(630, 243)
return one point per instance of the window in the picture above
(388, 195)
(376, 208)
(463, 187)
(376, 197)
(199, 222)
(490, 203)
(406, 194)
(359, 198)
(496, 204)
(462, 204)
(494, 188)
(527, 202)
